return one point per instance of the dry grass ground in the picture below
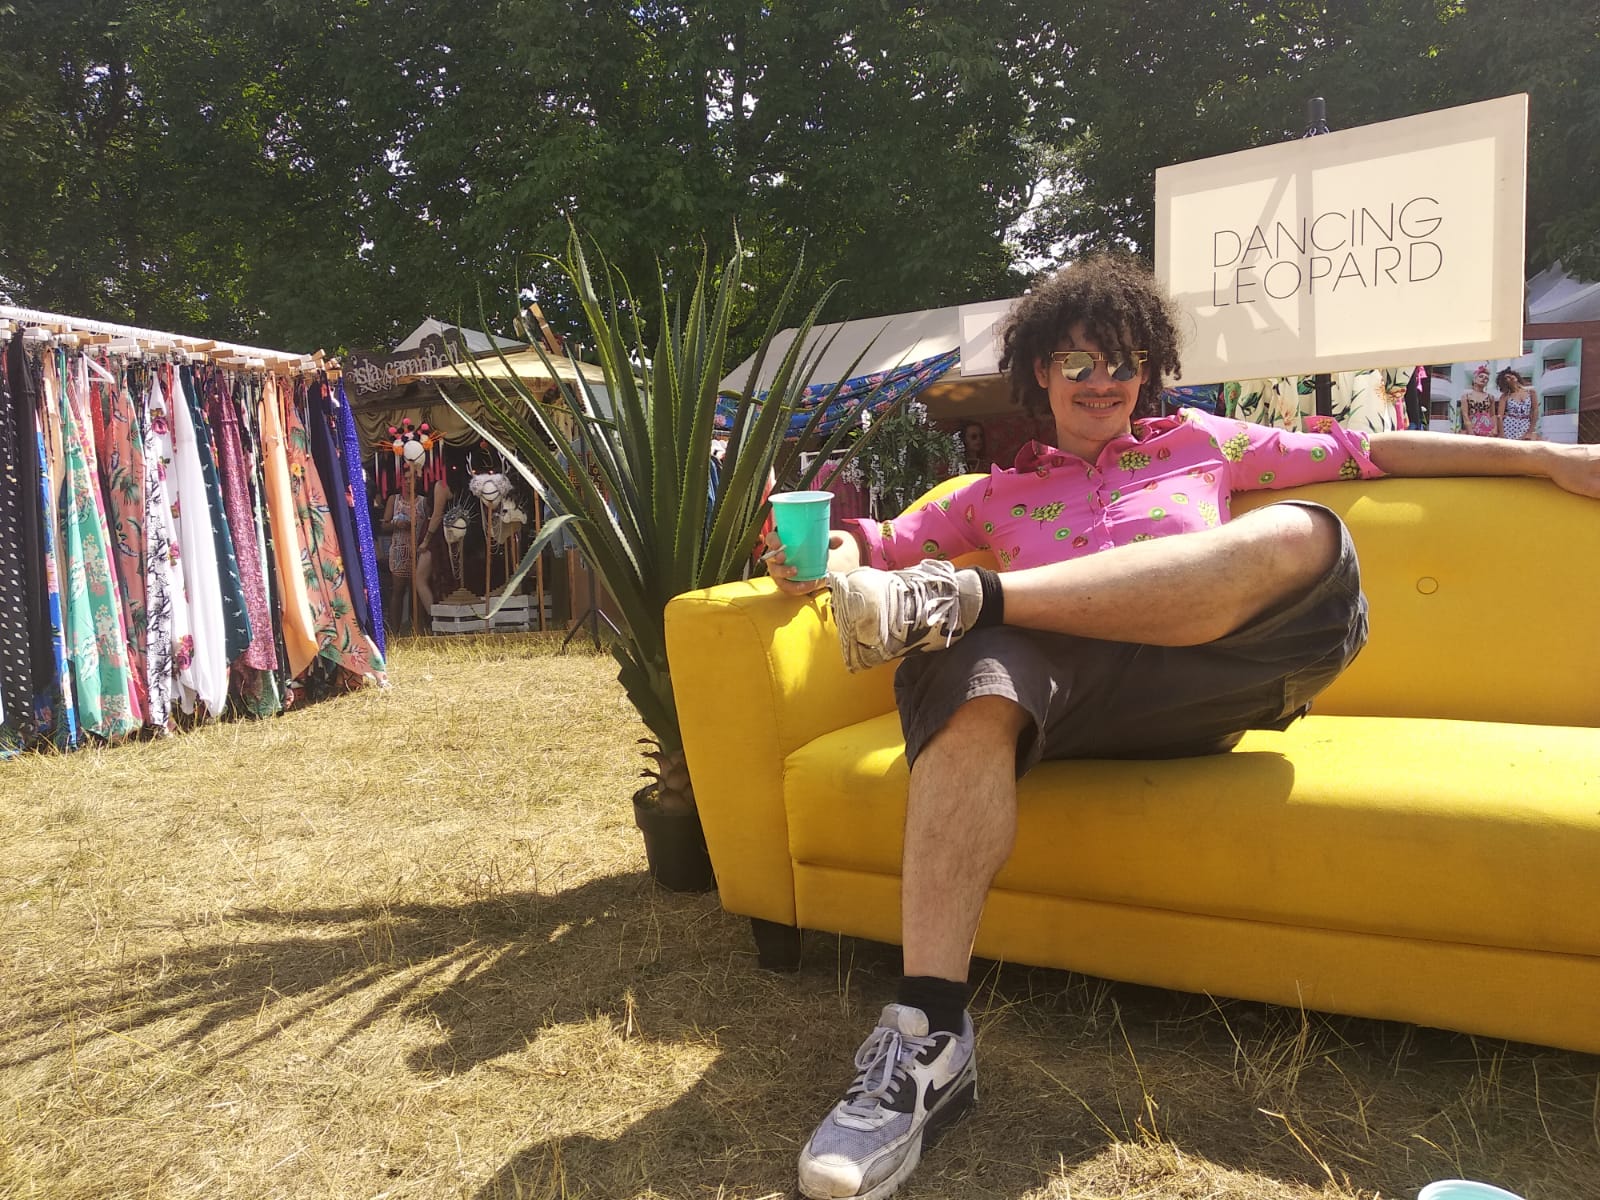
(401, 944)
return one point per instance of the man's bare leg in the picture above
(1182, 590)
(961, 820)
(916, 1075)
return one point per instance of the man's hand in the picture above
(843, 555)
(1577, 469)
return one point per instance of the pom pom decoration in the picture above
(413, 445)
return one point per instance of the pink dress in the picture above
(1480, 416)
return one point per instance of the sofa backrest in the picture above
(1484, 594)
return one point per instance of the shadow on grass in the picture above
(492, 971)
(1121, 1089)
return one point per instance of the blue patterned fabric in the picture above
(356, 480)
(1204, 397)
(895, 385)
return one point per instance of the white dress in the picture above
(202, 576)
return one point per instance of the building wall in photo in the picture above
(1561, 363)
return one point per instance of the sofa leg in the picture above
(777, 946)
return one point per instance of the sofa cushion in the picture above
(1398, 826)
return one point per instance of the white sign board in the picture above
(980, 349)
(1387, 245)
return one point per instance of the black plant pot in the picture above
(674, 846)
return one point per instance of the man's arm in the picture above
(1575, 468)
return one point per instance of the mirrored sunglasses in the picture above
(1078, 365)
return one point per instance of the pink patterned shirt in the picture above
(1171, 475)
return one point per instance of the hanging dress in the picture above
(169, 643)
(339, 638)
(235, 615)
(33, 498)
(328, 454)
(248, 406)
(299, 631)
(207, 677)
(252, 690)
(16, 660)
(53, 708)
(120, 442)
(97, 635)
(351, 443)
(235, 484)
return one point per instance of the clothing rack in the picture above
(133, 338)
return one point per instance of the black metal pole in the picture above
(1317, 122)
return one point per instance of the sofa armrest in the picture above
(757, 674)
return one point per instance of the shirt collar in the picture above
(1035, 454)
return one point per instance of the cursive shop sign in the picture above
(1386, 245)
(373, 377)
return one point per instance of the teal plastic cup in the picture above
(1464, 1189)
(802, 521)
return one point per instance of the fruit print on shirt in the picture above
(1175, 475)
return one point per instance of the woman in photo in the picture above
(1479, 410)
(1519, 407)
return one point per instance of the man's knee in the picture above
(1308, 537)
(983, 723)
(1324, 539)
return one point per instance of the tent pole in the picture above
(411, 533)
(538, 563)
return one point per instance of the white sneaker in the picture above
(912, 1085)
(883, 615)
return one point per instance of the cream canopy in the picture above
(424, 400)
(525, 365)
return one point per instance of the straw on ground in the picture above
(401, 944)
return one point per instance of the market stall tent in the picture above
(972, 387)
(475, 340)
(423, 397)
(1557, 298)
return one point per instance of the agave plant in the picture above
(646, 514)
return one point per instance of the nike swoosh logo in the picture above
(937, 1094)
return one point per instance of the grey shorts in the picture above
(1097, 699)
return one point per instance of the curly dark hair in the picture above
(1505, 376)
(1118, 303)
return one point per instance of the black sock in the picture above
(993, 611)
(944, 1000)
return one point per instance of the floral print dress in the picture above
(120, 439)
(340, 639)
(97, 636)
(169, 640)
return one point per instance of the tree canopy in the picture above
(310, 173)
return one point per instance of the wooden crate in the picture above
(517, 615)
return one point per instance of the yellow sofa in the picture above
(1424, 847)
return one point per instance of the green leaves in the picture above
(630, 471)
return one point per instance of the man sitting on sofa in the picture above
(1105, 637)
